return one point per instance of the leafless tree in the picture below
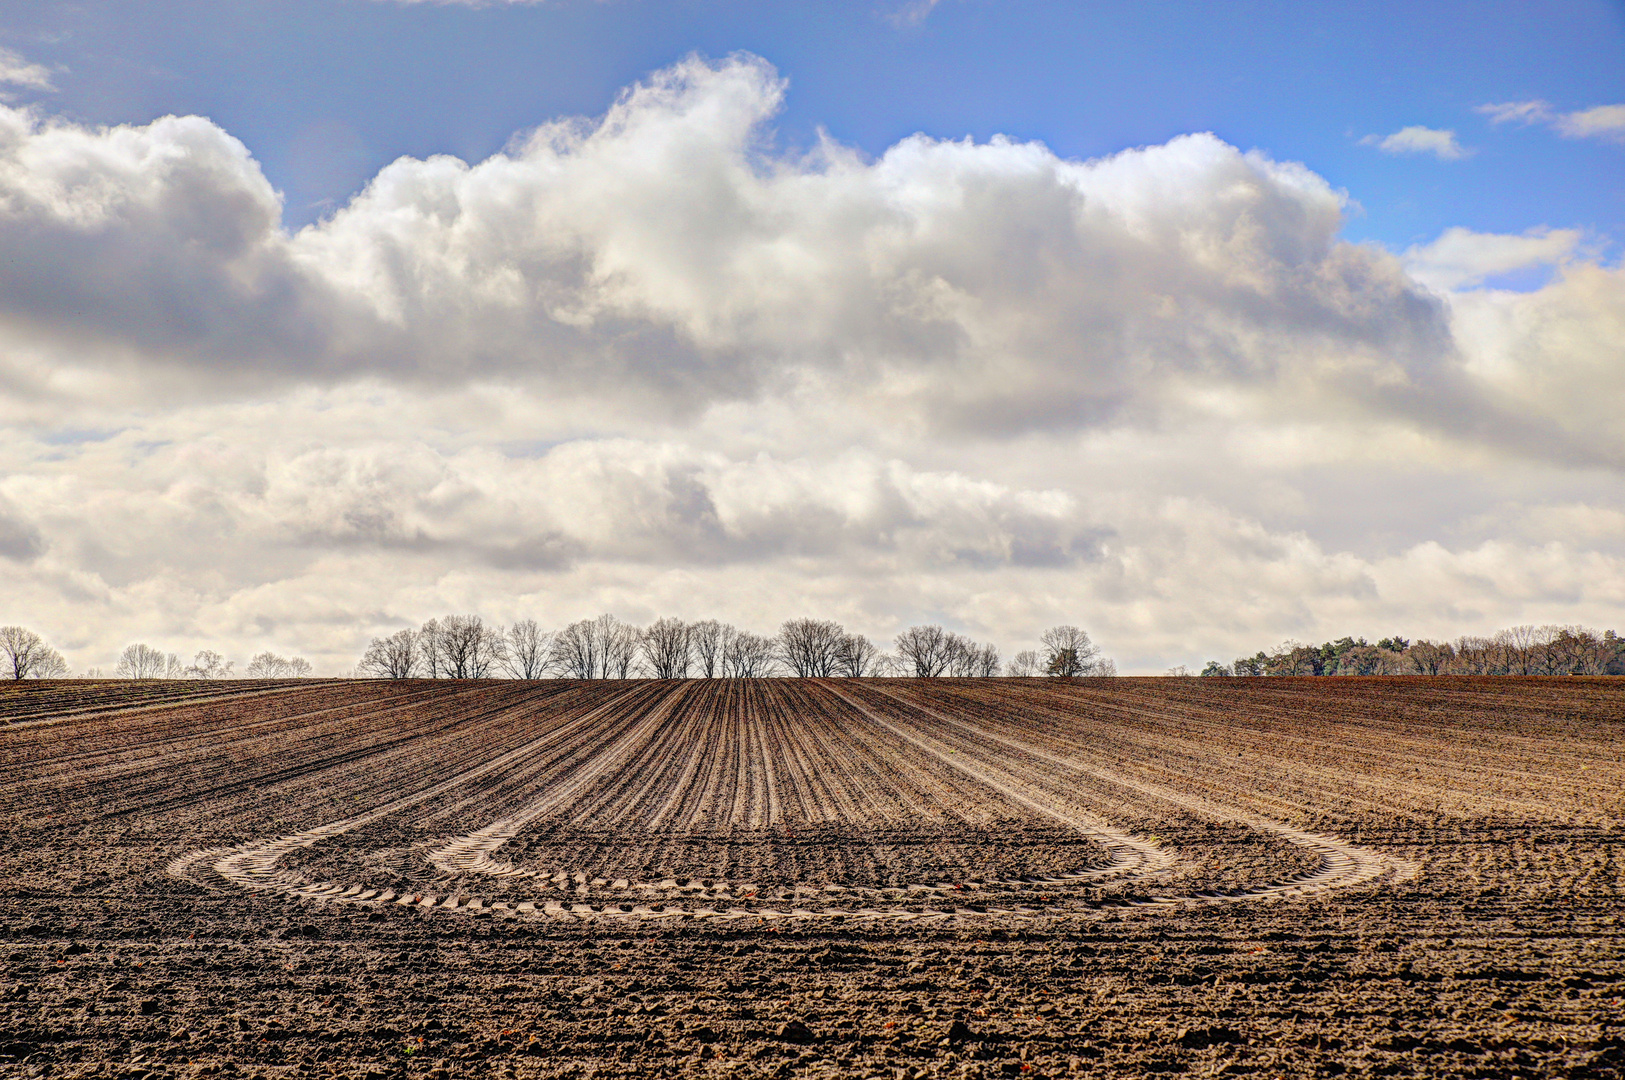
(855, 656)
(463, 647)
(392, 657)
(1574, 650)
(969, 659)
(208, 664)
(749, 656)
(1520, 644)
(601, 648)
(1429, 658)
(620, 647)
(1025, 665)
(429, 651)
(26, 655)
(1068, 652)
(144, 662)
(667, 648)
(706, 639)
(810, 647)
(925, 651)
(985, 662)
(576, 652)
(1476, 656)
(268, 665)
(528, 651)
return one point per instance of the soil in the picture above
(891, 878)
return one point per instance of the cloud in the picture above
(664, 255)
(1597, 122)
(1461, 258)
(1601, 121)
(1520, 112)
(647, 362)
(18, 72)
(20, 540)
(913, 12)
(1416, 139)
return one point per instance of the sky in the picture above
(1203, 327)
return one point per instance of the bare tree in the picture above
(1520, 644)
(393, 657)
(1429, 658)
(620, 647)
(144, 662)
(969, 659)
(1475, 656)
(601, 648)
(667, 648)
(1594, 652)
(26, 655)
(268, 665)
(924, 651)
(464, 647)
(575, 651)
(749, 656)
(984, 662)
(855, 656)
(1024, 666)
(208, 664)
(810, 648)
(430, 653)
(1068, 652)
(528, 652)
(706, 639)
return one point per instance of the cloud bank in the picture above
(647, 362)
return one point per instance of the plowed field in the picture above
(893, 878)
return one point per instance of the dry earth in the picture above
(896, 878)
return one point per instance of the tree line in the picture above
(25, 655)
(466, 647)
(1517, 650)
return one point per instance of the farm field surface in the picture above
(776, 877)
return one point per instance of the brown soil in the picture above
(890, 878)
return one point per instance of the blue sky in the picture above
(324, 92)
(272, 376)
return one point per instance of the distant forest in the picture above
(1518, 650)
